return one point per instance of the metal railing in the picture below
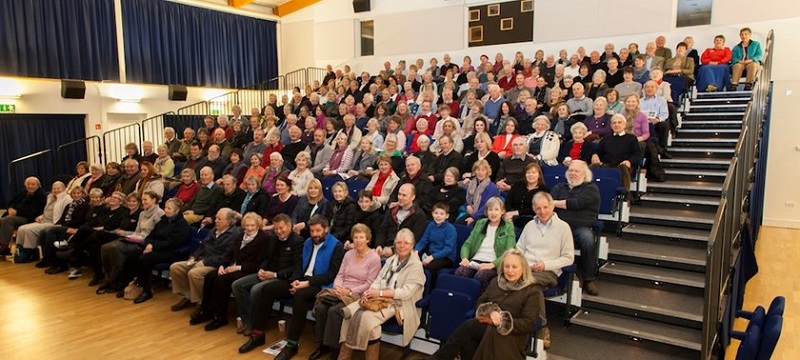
(114, 141)
(726, 233)
(93, 154)
(39, 163)
(222, 104)
(153, 128)
(315, 74)
(297, 78)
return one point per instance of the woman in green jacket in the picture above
(490, 238)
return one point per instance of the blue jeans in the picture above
(583, 239)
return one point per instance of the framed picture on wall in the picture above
(493, 10)
(475, 15)
(526, 6)
(506, 24)
(476, 33)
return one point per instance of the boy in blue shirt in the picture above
(438, 241)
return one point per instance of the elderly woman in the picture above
(641, 73)
(132, 152)
(341, 159)
(363, 160)
(482, 151)
(543, 144)
(450, 128)
(307, 206)
(97, 172)
(149, 180)
(502, 143)
(81, 176)
(597, 87)
(713, 74)
(301, 176)
(680, 65)
(615, 104)
(23, 208)
(30, 236)
(383, 181)
(480, 189)
(188, 186)
(505, 317)
(490, 237)
(395, 128)
(373, 132)
(520, 197)
(236, 167)
(577, 148)
(164, 164)
(109, 181)
(255, 169)
(358, 271)
(71, 219)
(599, 123)
(399, 285)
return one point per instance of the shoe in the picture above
(143, 297)
(56, 269)
(334, 354)
(75, 273)
(247, 330)
(664, 154)
(732, 87)
(180, 305)
(252, 343)
(5, 250)
(319, 352)
(103, 289)
(120, 294)
(748, 87)
(96, 280)
(590, 288)
(287, 353)
(216, 324)
(200, 318)
(46, 262)
(63, 244)
(544, 335)
(711, 88)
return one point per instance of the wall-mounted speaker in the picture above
(177, 92)
(73, 89)
(361, 5)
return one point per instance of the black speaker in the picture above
(177, 92)
(73, 89)
(361, 5)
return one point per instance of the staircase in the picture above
(651, 289)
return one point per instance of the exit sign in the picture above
(8, 108)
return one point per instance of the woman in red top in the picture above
(188, 187)
(273, 145)
(713, 74)
(502, 143)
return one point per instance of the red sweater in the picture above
(722, 56)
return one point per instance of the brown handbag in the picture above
(132, 291)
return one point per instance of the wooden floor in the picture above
(50, 317)
(777, 251)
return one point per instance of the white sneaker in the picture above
(61, 244)
(74, 274)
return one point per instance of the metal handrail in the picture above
(21, 159)
(84, 140)
(108, 134)
(190, 106)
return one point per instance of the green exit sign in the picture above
(214, 112)
(8, 108)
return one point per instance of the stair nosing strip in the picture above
(627, 230)
(650, 309)
(644, 335)
(695, 284)
(641, 255)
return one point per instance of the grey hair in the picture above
(406, 235)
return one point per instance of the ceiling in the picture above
(265, 7)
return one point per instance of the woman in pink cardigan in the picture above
(637, 120)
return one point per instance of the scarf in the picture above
(71, 209)
(520, 284)
(246, 239)
(394, 266)
(475, 190)
(378, 188)
(638, 73)
(336, 158)
(559, 128)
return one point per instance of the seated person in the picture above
(480, 189)
(449, 192)
(383, 181)
(490, 237)
(320, 152)
(746, 55)
(341, 212)
(628, 85)
(620, 150)
(448, 157)
(513, 168)
(664, 88)
(301, 176)
(31, 235)
(680, 65)
(562, 121)
(422, 187)
(401, 279)
(438, 241)
(577, 148)
(341, 160)
(597, 87)
(405, 215)
(713, 74)
(302, 286)
(579, 104)
(364, 160)
(641, 73)
(370, 213)
(205, 200)
(188, 276)
(505, 316)
(282, 202)
(483, 151)
(520, 197)
(275, 170)
(637, 123)
(281, 262)
(577, 202)
(164, 164)
(243, 258)
(71, 220)
(359, 269)
(547, 245)
(503, 142)
(215, 161)
(187, 187)
(599, 123)
(656, 110)
(543, 143)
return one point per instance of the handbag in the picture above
(132, 291)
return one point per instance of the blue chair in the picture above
(450, 304)
(612, 194)
(327, 185)
(757, 319)
(355, 186)
(776, 308)
(770, 334)
(748, 349)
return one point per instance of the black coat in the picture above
(371, 218)
(454, 196)
(27, 205)
(492, 159)
(78, 216)
(169, 234)
(232, 201)
(442, 162)
(258, 204)
(251, 255)
(583, 203)
(284, 257)
(302, 212)
(417, 221)
(342, 217)
(588, 149)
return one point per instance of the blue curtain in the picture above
(23, 134)
(73, 39)
(170, 43)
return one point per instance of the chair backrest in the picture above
(559, 170)
(468, 286)
(462, 234)
(748, 348)
(563, 281)
(758, 317)
(355, 186)
(608, 192)
(327, 185)
(769, 337)
(195, 241)
(552, 179)
(451, 300)
(777, 306)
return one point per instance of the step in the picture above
(714, 115)
(686, 187)
(717, 108)
(642, 249)
(708, 142)
(710, 124)
(702, 152)
(726, 100)
(672, 218)
(669, 232)
(724, 94)
(709, 133)
(641, 329)
(580, 343)
(684, 200)
(716, 176)
(652, 273)
(677, 305)
(680, 162)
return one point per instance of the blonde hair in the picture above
(527, 274)
(251, 216)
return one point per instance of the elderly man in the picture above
(195, 159)
(257, 146)
(232, 197)
(130, 176)
(322, 256)
(621, 150)
(171, 141)
(661, 50)
(294, 147)
(580, 104)
(187, 276)
(492, 105)
(651, 59)
(214, 160)
(23, 209)
(422, 186)
(447, 159)
(205, 200)
(186, 144)
(320, 153)
(513, 93)
(352, 131)
(274, 171)
(530, 111)
(657, 111)
(291, 120)
(547, 243)
(405, 215)
(577, 203)
(237, 115)
(608, 53)
(513, 168)
(548, 70)
(221, 140)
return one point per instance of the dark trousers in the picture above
(662, 132)
(329, 321)
(464, 340)
(435, 265)
(115, 256)
(88, 250)
(51, 235)
(217, 292)
(583, 239)
(263, 300)
(145, 266)
(300, 301)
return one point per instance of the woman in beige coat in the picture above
(402, 280)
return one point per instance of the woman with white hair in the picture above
(29, 236)
(543, 144)
(597, 87)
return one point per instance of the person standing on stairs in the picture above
(577, 202)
